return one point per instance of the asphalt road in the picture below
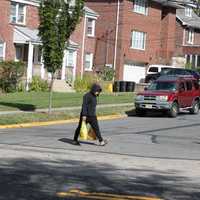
(154, 156)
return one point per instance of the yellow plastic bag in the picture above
(83, 131)
(91, 134)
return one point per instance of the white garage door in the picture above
(134, 73)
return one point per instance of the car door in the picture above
(189, 93)
(182, 94)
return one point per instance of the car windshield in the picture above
(162, 86)
(165, 71)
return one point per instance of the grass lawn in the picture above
(33, 100)
(42, 117)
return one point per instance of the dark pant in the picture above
(93, 123)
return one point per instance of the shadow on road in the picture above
(153, 113)
(70, 141)
(20, 106)
(30, 179)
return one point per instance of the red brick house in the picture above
(133, 34)
(19, 21)
(188, 36)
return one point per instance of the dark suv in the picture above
(170, 94)
(172, 71)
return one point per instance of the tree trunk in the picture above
(51, 93)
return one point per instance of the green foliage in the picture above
(10, 74)
(197, 7)
(84, 84)
(56, 25)
(108, 74)
(21, 87)
(38, 85)
(188, 65)
(57, 22)
(198, 69)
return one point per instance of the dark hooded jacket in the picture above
(90, 101)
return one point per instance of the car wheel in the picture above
(140, 112)
(195, 108)
(173, 112)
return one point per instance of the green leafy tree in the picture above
(57, 22)
(197, 7)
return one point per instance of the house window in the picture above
(17, 13)
(70, 58)
(88, 61)
(188, 12)
(190, 39)
(2, 51)
(90, 27)
(138, 40)
(140, 6)
(198, 61)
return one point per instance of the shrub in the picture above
(188, 65)
(10, 74)
(84, 84)
(107, 74)
(21, 87)
(198, 69)
(38, 84)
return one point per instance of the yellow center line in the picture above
(103, 196)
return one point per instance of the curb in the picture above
(74, 120)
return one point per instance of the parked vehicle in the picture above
(153, 69)
(170, 94)
(153, 76)
(173, 71)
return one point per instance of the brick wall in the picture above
(182, 46)
(150, 24)
(105, 31)
(179, 39)
(6, 28)
(32, 18)
(155, 28)
(168, 36)
(89, 46)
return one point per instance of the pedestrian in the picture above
(88, 114)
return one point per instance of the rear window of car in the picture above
(153, 69)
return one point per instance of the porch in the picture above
(27, 47)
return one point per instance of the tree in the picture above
(57, 22)
(197, 7)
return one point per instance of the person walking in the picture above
(88, 114)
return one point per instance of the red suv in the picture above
(170, 94)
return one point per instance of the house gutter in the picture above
(116, 35)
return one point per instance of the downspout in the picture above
(116, 35)
(83, 46)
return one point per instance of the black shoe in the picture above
(74, 142)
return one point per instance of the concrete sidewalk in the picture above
(63, 108)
